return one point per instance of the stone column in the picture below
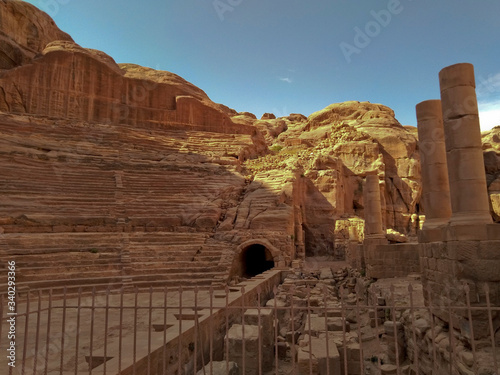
(435, 185)
(373, 209)
(468, 189)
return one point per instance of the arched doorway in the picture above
(255, 259)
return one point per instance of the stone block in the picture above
(463, 250)
(468, 135)
(482, 269)
(430, 235)
(438, 250)
(444, 266)
(266, 317)
(463, 166)
(331, 313)
(489, 250)
(428, 110)
(220, 368)
(314, 325)
(466, 232)
(493, 232)
(251, 342)
(457, 102)
(388, 369)
(353, 351)
(338, 324)
(317, 356)
(461, 74)
(432, 264)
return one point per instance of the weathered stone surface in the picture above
(220, 368)
(396, 237)
(268, 116)
(436, 187)
(316, 355)
(119, 148)
(243, 341)
(468, 187)
(491, 153)
(24, 33)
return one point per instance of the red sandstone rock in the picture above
(491, 153)
(24, 33)
(91, 146)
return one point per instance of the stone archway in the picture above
(254, 257)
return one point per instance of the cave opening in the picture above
(256, 259)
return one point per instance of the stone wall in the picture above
(397, 260)
(354, 255)
(448, 266)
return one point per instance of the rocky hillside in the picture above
(329, 154)
(24, 33)
(88, 145)
(491, 152)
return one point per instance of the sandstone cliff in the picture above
(24, 33)
(91, 146)
(491, 152)
(325, 158)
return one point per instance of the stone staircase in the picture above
(58, 260)
(173, 259)
(88, 177)
(88, 204)
(113, 260)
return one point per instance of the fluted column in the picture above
(435, 185)
(467, 178)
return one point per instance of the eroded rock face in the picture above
(68, 81)
(24, 33)
(169, 159)
(330, 154)
(149, 148)
(491, 153)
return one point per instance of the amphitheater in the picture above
(145, 229)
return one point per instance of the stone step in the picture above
(68, 269)
(185, 282)
(175, 259)
(50, 278)
(175, 276)
(72, 282)
(96, 254)
(174, 269)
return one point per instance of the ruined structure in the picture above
(116, 165)
(373, 210)
(470, 225)
(436, 188)
(119, 162)
(118, 176)
(458, 253)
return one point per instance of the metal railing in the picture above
(308, 328)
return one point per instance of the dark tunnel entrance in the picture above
(255, 259)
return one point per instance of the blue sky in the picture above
(298, 56)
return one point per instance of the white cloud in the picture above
(488, 94)
(283, 112)
(486, 87)
(489, 114)
(286, 79)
